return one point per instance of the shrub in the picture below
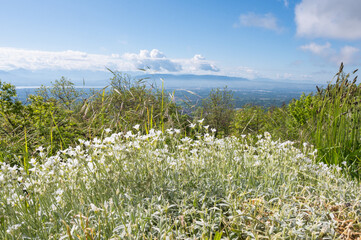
(218, 110)
(249, 120)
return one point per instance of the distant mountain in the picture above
(191, 81)
(193, 77)
(23, 77)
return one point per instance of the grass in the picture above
(192, 182)
(167, 186)
(338, 119)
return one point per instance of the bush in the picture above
(249, 120)
(218, 110)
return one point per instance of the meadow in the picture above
(128, 162)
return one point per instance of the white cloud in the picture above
(198, 62)
(155, 60)
(329, 18)
(317, 49)
(13, 58)
(267, 21)
(347, 54)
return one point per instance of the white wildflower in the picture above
(201, 121)
(91, 166)
(136, 127)
(94, 208)
(128, 134)
(32, 161)
(192, 125)
(40, 149)
(13, 228)
(194, 151)
(267, 135)
(59, 191)
(97, 141)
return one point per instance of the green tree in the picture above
(218, 110)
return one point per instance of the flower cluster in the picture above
(159, 185)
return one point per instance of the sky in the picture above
(295, 40)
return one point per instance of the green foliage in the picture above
(302, 110)
(335, 124)
(218, 110)
(167, 186)
(58, 116)
(62, 91)
(248, 120)
(129, 102)
(13, 121)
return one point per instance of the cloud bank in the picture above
(329, 18)
(154, 60)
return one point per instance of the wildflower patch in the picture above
(165, 185)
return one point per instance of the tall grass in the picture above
(330, 119)
(335, 125)
(57, 116)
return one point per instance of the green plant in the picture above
(163, 185)
(130, 101)
(335, 123)
(59, 115)
(249, 120)
(63, 92)
(218, 110)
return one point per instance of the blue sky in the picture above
(303, 40)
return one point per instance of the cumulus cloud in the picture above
(198, 62)
(347, 54)
(267, 21)
(329, 18)
(154, 60)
